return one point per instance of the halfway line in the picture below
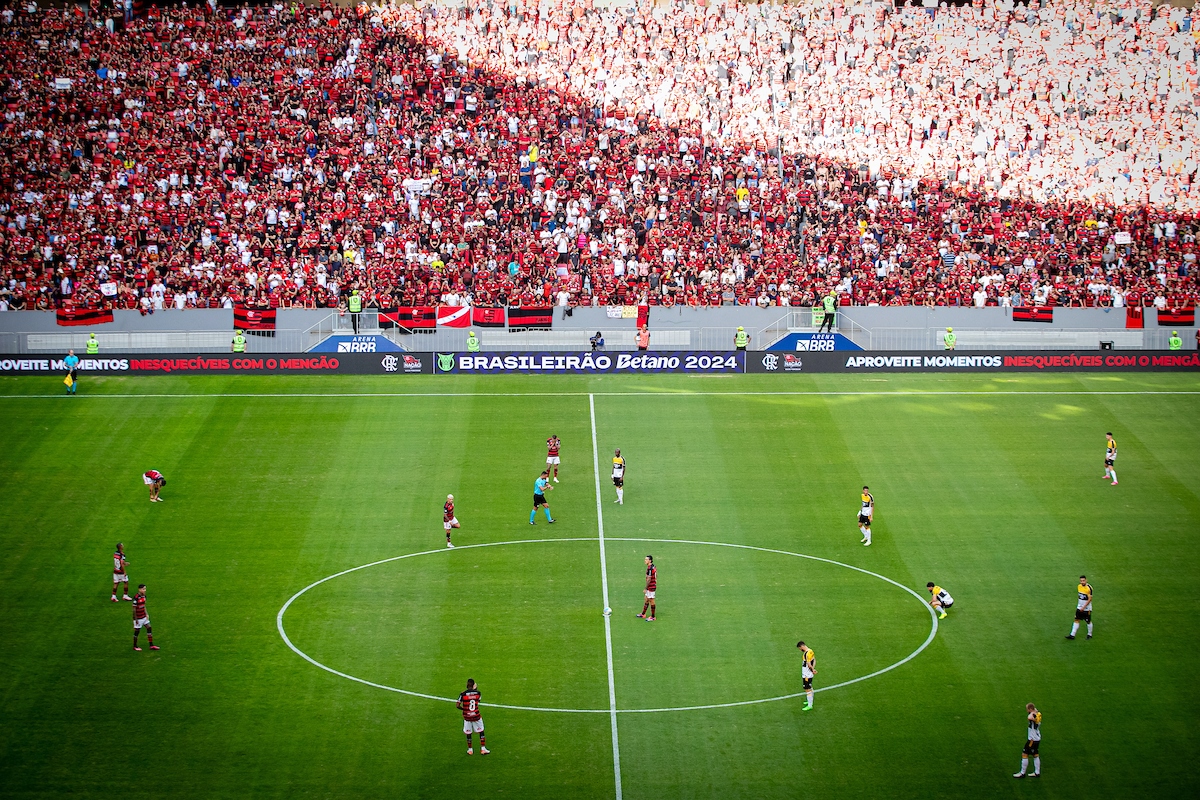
(612, 684)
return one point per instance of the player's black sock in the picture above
(468, 741)
(644, 607)
(482, 741)
(653, 608)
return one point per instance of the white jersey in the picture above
(1035, 727)
(944, 598)
(618, 469)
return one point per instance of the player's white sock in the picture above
(1113, 474)
(1024, 765)
(867, 533)
(1037, 765)
(863, 531)
(1089, 629)
(1074, 628)
(809, 696)
(620, 495)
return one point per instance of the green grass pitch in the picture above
(989, 485)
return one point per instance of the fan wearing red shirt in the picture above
(651, 588)
(552, 445)
(468, 703)
(141, 619)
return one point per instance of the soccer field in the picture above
(744, 489)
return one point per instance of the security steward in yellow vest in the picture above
(741, 338)
(355, 304)
(239, 342)
(1174, 343)
(950, 338)
(830, 304)
(93, 347)
(472, 342)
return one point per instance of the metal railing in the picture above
(285, 341)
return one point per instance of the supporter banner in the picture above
(1000, 361)
(589, 363)
(357, 344)
(1134, 317)
(533, 317)
(1183, 318)
(226, 364)
(253, 319)
(82, 316)
(1033, 313)
(814, 342)
(408, 317)
(454, 316)
(487, 317)
(643, 316)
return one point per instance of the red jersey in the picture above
(154, 475)
(468, 701)
(448, 511)
(119, 563)
(139, 607)
(651, 578)
(552, 446)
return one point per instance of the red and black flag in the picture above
(532, 317)
(82, 316)
(1177, 318)
(409, 317)
(1134, 318)
(253, 319)
(487, 317)
(1033, 313)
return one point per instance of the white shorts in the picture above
(141, 623)
(120, 578)
(552, 460)
(473, 726)
(146, 479)
(649, 595)
(806, 674)
(453, 523)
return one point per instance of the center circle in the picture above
(707, 601)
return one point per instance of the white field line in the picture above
(610, 711)
(612, 684)
(902, 393)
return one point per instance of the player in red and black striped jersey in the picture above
(120, 577)
(468, 702)
(141, 619)
(651, 588)
(449, 521)
(552, 445)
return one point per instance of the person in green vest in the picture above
(830, 304)
(93, 347)
(472, 342)
(818, 314)
(949, 338)
(239, 342)
(741, 338)
(1175, 343)
(355, 304)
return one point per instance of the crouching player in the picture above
(468, 701)
(941, 601)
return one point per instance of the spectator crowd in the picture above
(672, 153)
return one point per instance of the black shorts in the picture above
(539, 500)
(1108, 462)
(807, 684)
(1031, 747)
(1085, 616)
(618, 482)
(864, 520)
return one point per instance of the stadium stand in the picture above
(669, 154)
